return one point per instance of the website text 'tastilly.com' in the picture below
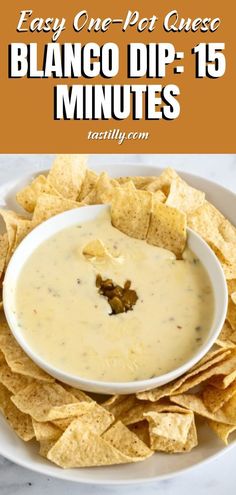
(117, 135)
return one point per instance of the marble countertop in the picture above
(216, 477)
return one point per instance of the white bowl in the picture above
(67, 219)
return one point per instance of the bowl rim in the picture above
(96, 385)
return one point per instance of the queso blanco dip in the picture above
(69, 324)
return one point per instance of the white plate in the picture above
(159, 466)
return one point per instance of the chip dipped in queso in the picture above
(99, 304)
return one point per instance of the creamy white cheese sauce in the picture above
(67, 322)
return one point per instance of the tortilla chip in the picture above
(11, 220)
(46, 431)
(232, 293)
(17, 228)
(133, 183)
(79, 394)
(228, 231)
(28, 196)
(82, 397)
(87, 184)
(45, 446)
(167, 228)
(226, 372)
(112, 400)
(204, 214)
(141, 429)
(153, 186)
(192, 439)
(3, 251)
(21, 423)
(4, 328)
(225, 344)
(130, 211)
(105, 188)
(102, 191)
(47, 402)
(225, 368)
(80, 447)
(184, 197)
(194, 402)
(231, 314)
(174, 426)
(140, 182)
(215, 398)
(17, 360)
(135, 414)
(67, 175)
(211, 224)
(97, 420)
(222, 431)
(172, 432)
(63, 423)
(223, 381)
(163, 182)
(192, 378)
(229, 409)
(231, 284)
(14, 382)
(95, 249)
(138, 412)
(159, 196)
(120, 437)
(233, 297)
(212, 357)
(49, 205)
(23, 228)
(229, 270)
(162, 444)
(227, 334)
(118, 405)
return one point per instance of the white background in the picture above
(214, 478)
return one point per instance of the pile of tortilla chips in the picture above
(72, 428)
